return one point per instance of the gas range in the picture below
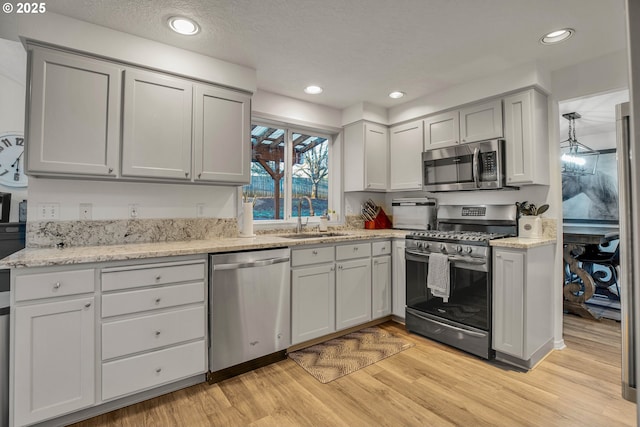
(467, 237)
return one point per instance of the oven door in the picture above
(470, 292)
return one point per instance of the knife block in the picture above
(380, 221)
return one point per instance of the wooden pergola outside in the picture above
(268, 144)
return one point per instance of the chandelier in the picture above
(577, 158)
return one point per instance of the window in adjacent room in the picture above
(290, 168)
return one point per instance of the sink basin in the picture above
(311, 235)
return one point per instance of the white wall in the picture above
(111, 200)
(13, 76)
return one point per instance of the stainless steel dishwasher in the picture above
(249, 306)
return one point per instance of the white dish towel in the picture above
(438, 279)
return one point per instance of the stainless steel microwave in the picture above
(473, 166)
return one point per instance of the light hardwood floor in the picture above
(427, 385)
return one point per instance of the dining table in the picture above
(575, 237)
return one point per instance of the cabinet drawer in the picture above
(311, 256)
(381, 248)
(156, 274)
(153, 369)
(146, 333)
(151, 299)
(358, 250)
(56, 284)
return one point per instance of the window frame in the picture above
(334, 196)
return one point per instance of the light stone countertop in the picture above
(40, 257)
(522, 242)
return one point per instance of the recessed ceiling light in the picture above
(396, 94)
(183, 25)
(313, 90)
(557, 36)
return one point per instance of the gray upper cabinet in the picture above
(481, 121)
(156, 138)
(405, 151)
(74, 115)
(222, 140)
(442, 130)
(89, 117)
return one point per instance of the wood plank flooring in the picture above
(427, 385)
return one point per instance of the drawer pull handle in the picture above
(158, 370)
(87, 305)
(110, 170)
(158, 300)
(314, 252)
(384, 248)
(158, 277)
(157, 333)
(57, 285)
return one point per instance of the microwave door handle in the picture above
(475, 172)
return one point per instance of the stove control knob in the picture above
(458, 248)
(468, 249)
(420, 245)
(426, 245)
(443, 248)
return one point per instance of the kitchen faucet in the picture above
(300, 225)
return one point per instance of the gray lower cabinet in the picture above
(399, 299)
(53, 353)
(353, 292)
(522, 304)
(313, 290)
(67, 356)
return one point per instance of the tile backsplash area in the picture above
(46, 234)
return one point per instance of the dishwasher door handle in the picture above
(258, 263)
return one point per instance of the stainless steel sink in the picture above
(311, 235)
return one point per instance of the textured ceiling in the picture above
(360, 50)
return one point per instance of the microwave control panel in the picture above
(489, 166)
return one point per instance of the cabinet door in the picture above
(54, 357)
(381, 287)
(376, 149)
(156, 139)
(353, 293)
(526, 134)
(480, 122)
(405, 157)
(222, 141)
(508, 302)
(313, 293)
(399, 279)
(74, 115)
(442, 130)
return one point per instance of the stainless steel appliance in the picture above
(628, 185)
(249, 300)
(473, 166)
(462, 320)
(416, 213)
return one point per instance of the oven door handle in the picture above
(455, 328)
(475, 172)
(452, 258)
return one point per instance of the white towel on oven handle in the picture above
(438, 277)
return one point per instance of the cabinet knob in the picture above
(384, 248)
(355, 249)
(314, 252)
(56, 285)
(333, 269)
(339, 267)
(464, 140)
(158, 370)
(186, 174)
(110, 170)
(254, 342)
(157, 333)
(199, 175)
(87, 305)
(158, 277)
(158, 300)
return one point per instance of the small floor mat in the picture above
(342, 356)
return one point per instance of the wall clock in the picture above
(12, 160)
